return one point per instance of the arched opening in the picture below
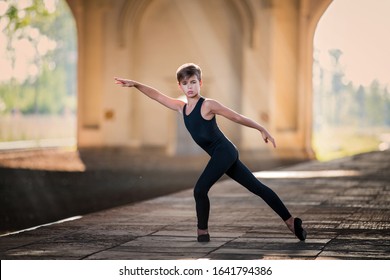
(351, 96)
(38, 84)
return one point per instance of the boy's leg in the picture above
(240, 173)
(216, 167)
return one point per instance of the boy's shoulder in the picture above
(210, 102)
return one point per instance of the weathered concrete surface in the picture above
(344, 205)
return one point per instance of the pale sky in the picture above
(361, 29)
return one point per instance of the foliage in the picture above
(52, 88)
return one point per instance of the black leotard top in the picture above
(205, 133)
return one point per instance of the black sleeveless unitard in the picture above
(224, 160)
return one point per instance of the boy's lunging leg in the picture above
(241, 174)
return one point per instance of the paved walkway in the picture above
(344, 204)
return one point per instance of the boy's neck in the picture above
(191, 101)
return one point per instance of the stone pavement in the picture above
(344, 205)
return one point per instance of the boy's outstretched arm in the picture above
(214, 107)
(169, 102)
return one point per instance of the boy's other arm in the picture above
(169, 102)
(217, 108)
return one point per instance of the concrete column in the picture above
(285, 49)
(284, 78)
(90, 22)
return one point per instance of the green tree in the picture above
(387, 106)
(337, 87)
(374, 105)
(54, 85)
(360, 99)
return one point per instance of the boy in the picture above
(199, 117)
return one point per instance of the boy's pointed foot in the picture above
(298, 229)
(204, 237)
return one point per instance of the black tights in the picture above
(223, 162)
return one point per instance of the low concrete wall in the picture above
(29, 197)
(32, 197)
(35, 189)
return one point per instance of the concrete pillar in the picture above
(286, 103)
(90, 22)
(292, 29)
(285, 46)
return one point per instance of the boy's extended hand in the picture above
(267, 137)
(124, 82)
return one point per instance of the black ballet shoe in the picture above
(298, 229)
(204, 237)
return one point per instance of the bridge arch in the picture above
(262, 48)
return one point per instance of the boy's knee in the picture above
(200, 193)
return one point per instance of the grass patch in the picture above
(340, 142)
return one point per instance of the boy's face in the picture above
(190, 86)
